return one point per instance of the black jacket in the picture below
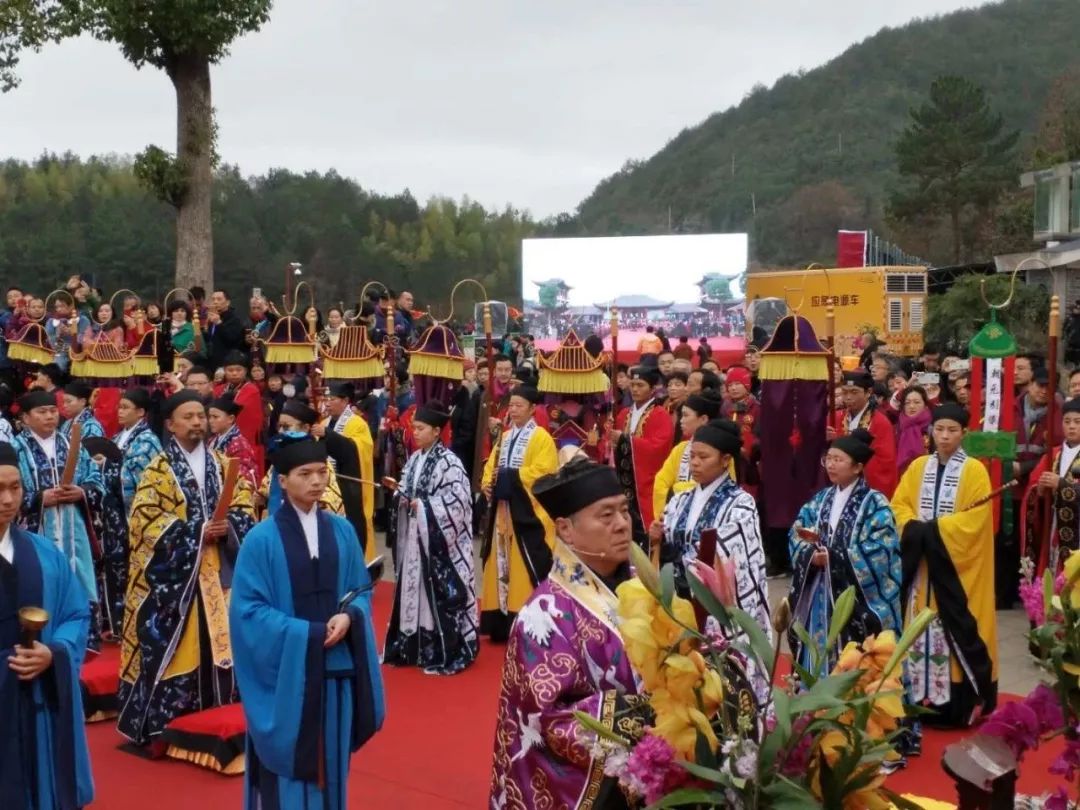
(222, 338)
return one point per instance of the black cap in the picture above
(137, 397)
(300, 412)
(649, 374)
(341, 390)
(579, 484)
(36, 399)
(291, 455)
(707, 403)
(723, 434)
(950, 410)
(8, 456)
(1072, 406)
(235, 358)
(1041, 376)
(78, 389)
(526, 392)
(226, 404)
(856, 444)
(432, 413)
(859, 378)
(178, 399)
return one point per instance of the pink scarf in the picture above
(911, 432)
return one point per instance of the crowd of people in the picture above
(216, 523)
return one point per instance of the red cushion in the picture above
(222, 721)
(100, 674)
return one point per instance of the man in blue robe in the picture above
(44, 762)
(303, 644)
(62, 512)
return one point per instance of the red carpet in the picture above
(434, 752)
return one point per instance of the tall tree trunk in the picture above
(194, 145)
(954, 215)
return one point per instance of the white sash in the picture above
(946, 501)
(521, 442)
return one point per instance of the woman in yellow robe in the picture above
(674, 476)
(947, 545)
(517, 552)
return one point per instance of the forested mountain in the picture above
(794, 162)
(62, 215)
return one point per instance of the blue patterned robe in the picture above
(434, 622)
(44, 762)
(140, 445)
(69, 525)
(864, 551)
(175, 657)
(90, 425)
(733, 513)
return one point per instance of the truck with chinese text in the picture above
(888, 301)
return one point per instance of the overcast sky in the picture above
(507, 101)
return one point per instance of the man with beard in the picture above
(175, 656)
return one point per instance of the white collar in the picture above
(47, 444)
(702, 494)
(1068, 456)
(854, 420)
(7, 546)
(309, 522)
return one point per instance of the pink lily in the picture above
(719, 578)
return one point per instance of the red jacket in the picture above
(650, 446)
(251, 420)
(881, 473)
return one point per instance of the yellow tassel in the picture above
(234, 768)
(29, 354)
(568, 382)
(352, 369)
(290, 354)
(145, 366)
(438, 365)
(793, 367)
(100, 370)
(102, 715)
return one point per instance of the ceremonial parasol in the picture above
(291, 342)
(794, 376)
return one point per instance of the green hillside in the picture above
(815, 151)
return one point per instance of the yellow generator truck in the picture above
(889, 301)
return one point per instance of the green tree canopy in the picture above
(183, 39)
(956, 156)
(957, 314)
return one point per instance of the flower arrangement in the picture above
(1050, 710)
(705, 742)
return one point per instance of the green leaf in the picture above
(1048, 591)
(711, 604)
(759, 642)
(900, 802)
(598, 728)
(702, 772)
(842, 610)
(911, 633)
(667, 585)
(645, 571)
(690, 796)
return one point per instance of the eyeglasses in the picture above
(827, 461)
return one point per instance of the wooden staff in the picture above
(487, 408)
(614, 381)
(1052, 417)
(830, 341)
(231, 476)
(74, 446)
(997, 493)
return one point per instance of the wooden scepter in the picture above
(482, 421)
(231, 474)
(74, 446)
(614, 381)
(1052, 418)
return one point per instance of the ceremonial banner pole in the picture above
(1048, 555)
(483, 429)
(614, 381)
(830, 342)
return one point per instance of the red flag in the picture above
(851, 248)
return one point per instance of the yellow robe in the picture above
(540, 459)
(668, 482)
(969, 539)
(357, 431)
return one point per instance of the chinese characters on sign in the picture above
(837, 300)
